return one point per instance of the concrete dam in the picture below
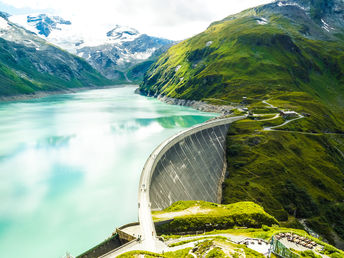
(190, 165)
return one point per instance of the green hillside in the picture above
(196, 215)
(239, 57)
(289, 174)
(25, 70)
(286, 55)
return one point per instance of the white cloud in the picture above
(175, 19)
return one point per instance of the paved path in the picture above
(232, 237)
(253, 243)
(276, 116)
(267, 119)
(286, 122)
(265, 102)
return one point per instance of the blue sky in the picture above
(173, 19)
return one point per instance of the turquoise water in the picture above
(70, 166)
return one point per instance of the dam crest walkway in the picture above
(217, 130)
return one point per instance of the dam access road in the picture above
(217, 130)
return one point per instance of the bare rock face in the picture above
(123, 51)
(330, 13)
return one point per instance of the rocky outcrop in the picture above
(199, 105)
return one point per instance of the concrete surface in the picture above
(187, 166)
(184, 167)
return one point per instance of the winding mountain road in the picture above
(271, 128)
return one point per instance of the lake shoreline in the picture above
(195, 104)
(64, 157)
(43, 94)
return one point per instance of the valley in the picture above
(244, 124)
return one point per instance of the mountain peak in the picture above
(4, 15)
(45, 24)
(123, 33)
(320, 10)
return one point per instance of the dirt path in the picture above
(190, 211)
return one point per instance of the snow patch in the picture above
(4, 24)
(143, 55)
(326, 26)
(208, 43)
(177, 68)
(127, 56)
(280, 4)
(262, 21)
(77, 35)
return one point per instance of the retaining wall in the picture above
(110, 244)
(123, 236)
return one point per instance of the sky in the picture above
(172, 19)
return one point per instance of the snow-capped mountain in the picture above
(122, 33)
(120, 54)
(112, 51)
(45, 24)
(11, 32)
(29, 63)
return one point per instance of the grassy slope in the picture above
(215, 239)
(213, 243)
(207, 249)
(248, 59)
(136, 73)
(246, 214)
(289, 174)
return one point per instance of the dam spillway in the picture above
(190, 165)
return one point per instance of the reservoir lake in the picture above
(70, 166)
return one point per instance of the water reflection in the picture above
(70, 164)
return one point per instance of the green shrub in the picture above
(265, 228)
(216, 253)
(310, 254)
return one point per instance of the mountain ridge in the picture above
(112, 52)
(29, 64)
(291, 54)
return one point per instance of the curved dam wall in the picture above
(191, 165)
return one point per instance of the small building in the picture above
(305, 114)
(244, 101)
(288, 114)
